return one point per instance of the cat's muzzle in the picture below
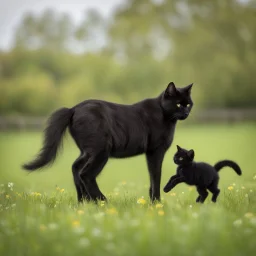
(184, 116)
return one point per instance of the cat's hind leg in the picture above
(76, 167)
(214, 190)
(198, 199)
(90, 171)
(203, 194)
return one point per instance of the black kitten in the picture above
(202, 175)
(103, 129)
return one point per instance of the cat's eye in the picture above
(181, 158)
(188, 105)
(178, 105)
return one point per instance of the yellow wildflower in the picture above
(80, 212)
(57, 188)
(8, 196)
(42, 227)
(161, 213)
(75, 223)
(112, 211)
(35, 194)
(141, 201)
(248, 215)
(230, 188)
(62, 190)
(159, 205)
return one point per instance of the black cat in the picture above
(202, 175)
(103, 129)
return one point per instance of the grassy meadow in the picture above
(39, 214)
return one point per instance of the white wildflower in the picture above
(53, 226)
(96, 232)
(238, 223)
(10, 185)
(110, 246)
(84, 242)
(134, 223)
(185, 228)
(253, 221)
(79, 230)
(195, 215)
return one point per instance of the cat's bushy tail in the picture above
(228, 163)
(57, 124)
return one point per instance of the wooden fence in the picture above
(207, 116)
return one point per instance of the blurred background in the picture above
(57, 53)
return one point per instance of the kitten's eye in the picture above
(178, 105)
(188, 105)
(181, 158)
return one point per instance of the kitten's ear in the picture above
(179, 148)
(188, 88)
(191, 154)
(170, 90)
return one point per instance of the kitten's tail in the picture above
(57, 124)
(228, 163)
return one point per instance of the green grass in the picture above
(38, 218)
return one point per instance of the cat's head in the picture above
(177, 102)
(183, 156)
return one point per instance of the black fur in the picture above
(202, 175)
(103, 129)
(228, 163)
(54, 132)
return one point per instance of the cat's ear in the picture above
(191, 154)
(188, 88)
(170, 90)
(179, 148)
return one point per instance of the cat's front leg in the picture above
(170, 181)
(154, 161)
(173, 182)
(174, 177)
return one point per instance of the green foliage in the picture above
(39, 211)
(32, 94)
(134, 55)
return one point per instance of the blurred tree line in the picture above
(133, 55)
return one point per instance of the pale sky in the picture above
(12, 11)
